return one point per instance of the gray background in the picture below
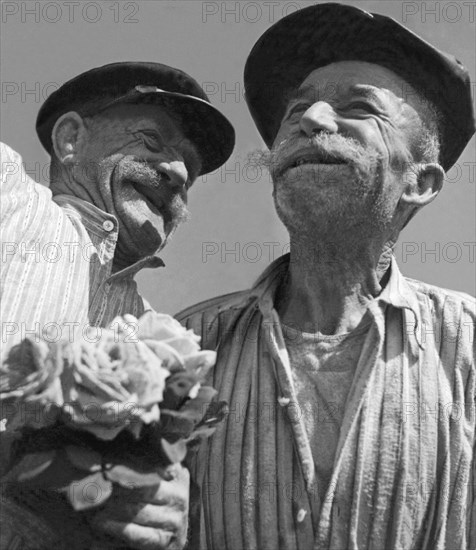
(234, 232)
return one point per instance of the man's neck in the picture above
(330, 284)
(63, 183)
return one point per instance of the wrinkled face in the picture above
(141, 165)
(343, 147)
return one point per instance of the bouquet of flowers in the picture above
(116, 408)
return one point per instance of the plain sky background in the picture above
(234, 232)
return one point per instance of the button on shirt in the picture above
(108, 225)
(57, 255)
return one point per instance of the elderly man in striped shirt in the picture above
(127, 140)
(352, 389)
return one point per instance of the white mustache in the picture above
(331, 146)
(140, 172)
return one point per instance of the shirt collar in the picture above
(397, 292)
(105, 227)
(93, 218)
(149, 261)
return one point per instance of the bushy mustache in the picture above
(337, 147)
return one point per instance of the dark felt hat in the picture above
(144, 82)
(326, 33)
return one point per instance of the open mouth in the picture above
(310, 158)
(307, 160)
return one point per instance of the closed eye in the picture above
(360, 106)
(156, 143)
(297, 109)
(151, 139)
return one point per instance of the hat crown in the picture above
(211, 132)
(326, 33)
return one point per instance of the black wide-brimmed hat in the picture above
(326, 33)
(144, 82)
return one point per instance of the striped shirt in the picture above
(56, 268)
(404, 472)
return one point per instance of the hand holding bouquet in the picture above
(112, 410)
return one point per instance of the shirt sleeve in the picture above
(471, 520)
(472, 506)
(20, 197)
(43, 280)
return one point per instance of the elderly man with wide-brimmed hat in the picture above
(127, 141)
(337, 369)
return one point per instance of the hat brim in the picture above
(327, 33)
(203, 124)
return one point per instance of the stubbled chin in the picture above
(142, 227)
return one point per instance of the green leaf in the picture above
(194, 413)
(197, 408)
(174, 425)
(216, 412)
(200, 433)
(57, 473)
(175, 451)
(89, 492)
(30, 466)
(84, 459)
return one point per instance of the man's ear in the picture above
(68, 136)
(426, 183)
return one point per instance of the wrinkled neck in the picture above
(331, 283)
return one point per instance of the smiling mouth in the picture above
(150, 194)
(309, 159)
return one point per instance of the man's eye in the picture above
(360, 106)
(297, 110)
(151, 140)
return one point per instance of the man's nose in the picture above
(320, 117)
(174, 173)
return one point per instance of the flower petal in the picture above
(184, 345)
(158, 326)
